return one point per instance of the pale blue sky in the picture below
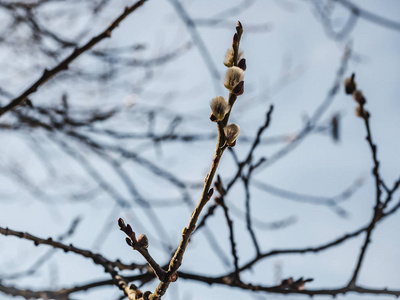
(296, 40)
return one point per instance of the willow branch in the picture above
(207, 192)
(98, 259)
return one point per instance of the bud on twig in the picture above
(146, 295)
(239, 89)
(239, 28)
(349, 85)
(359, 97)
(143, 241)
(231, 133)
(361, 112)
(233, 77)
(228, 62)
(173, 277)
(229, 56)
(242, 64)
(286, 283)
(219, 108)
(298, 285)
(129, 241)
(121, 223)
(128, 230)
(210, 193)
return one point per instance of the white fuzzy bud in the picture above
(231, 133)
(233, 77)
(219, 108)
(228, 62)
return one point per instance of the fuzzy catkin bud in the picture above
(361, 112)
(219, 108)
(359, 97)
(233, 77)
(349, 85)
(228, 62)
(231, 133)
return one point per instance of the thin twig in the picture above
(177, 258)
(231, 238)
(48, 74)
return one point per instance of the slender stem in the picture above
(231, 238)
(378, 206)
(176, 260)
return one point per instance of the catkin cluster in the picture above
(234, 83)
(350, 87)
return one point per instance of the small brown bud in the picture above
(299, 284)
(121, 223)
(173, 277)
(239, 27)
(287, 282)
(128, 241)
(210, 193)
(143, 241)
(239, 89)
(359, 97)
(349, 84)
(146, 295)
(242, 64)
(128, 230)
(361, 112)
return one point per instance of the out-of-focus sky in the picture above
(295, 46)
